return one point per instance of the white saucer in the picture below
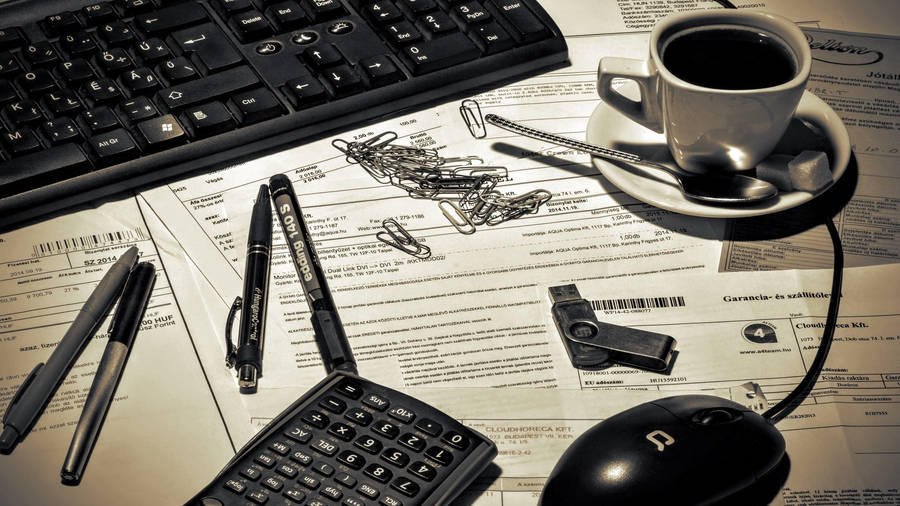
(608, 127)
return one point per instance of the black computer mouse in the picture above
(682, 450)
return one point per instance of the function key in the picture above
(258, 497)
(390, 501)
(98, 13)
(251, 473)
(297, 433)
(265, 459)
(402, 414)
(235, 486)
(309, 481)
(368, 490)
(295, 494)
(301, 458)
(133, 7)
(229, 7)
(429, 426)
(376, 401)
(113, 147)
(456, 440)
(349, 388)
(331, 492)
(287, 470)
(11, 37)
(63, 22)
(273, 483)
(325, 447)
(280, 447)
(352, 501)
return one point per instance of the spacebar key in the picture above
(209, 88)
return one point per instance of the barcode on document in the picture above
(640, 303)
(88, 241)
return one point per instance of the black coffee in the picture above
(729, 58)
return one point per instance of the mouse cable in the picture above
(799, 394)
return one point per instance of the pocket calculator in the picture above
(351, 442)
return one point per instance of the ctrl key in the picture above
(113, 147)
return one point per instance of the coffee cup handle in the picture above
(646, 110)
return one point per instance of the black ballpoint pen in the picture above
(125, 325)
(39, 386)
(247, 357)
(329, 332)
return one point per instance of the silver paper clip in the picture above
(471, 114)
(395, 235)
(460, 220)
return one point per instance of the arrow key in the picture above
(322, 55)
(305, 91)
(343, 80)
(380, 70)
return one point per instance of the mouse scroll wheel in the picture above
(715, 416)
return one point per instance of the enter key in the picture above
(208, 47)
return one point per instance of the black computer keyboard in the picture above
(98, 98)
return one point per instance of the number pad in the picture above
(352, 444)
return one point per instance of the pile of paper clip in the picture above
(466, 192)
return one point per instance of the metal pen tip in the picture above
(247, 379)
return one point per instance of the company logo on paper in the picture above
(760, 333)
(841, 53)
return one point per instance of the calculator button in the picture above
(309, 481)
(273, 483)
(333, 404)
(405, 486)
(235, 486)
(429, 426)
(395, 456)
(390, 501)
(323, 468)
(345, 479)
(265, 459)
(326, 447)
(331, 492)
(386, 428)
(349, 388)
(258, 497)
(342, 431)
(250, 472)
(287, 470)
(359, 416)
(439, 455)
(294, 494)
(315, 418)
(412, 442)
(376, 401)
(299, 434)
(378, 472)
(301, 458)
(423, 470)
(351, 459)
(368, 491)
(456, 440)
(351, 501)
(402, 414)
(280, 448)
(369, 444)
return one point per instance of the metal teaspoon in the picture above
(716, 188)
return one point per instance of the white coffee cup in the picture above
(713, 123)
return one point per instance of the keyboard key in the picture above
(265, 459)
(437, 24)
(37, 81)
(228, 7)
(254, 106)
(323, 10)
(7, 92)
(383, 12)
(258, 497)
(309, 481)
(208, 47)
(37, 168)
(211, 119)
(325, 447)
(526, 27)
(20, 141)
(287, 470)
(138, 109)
(323, 468)
(140, 81)
(202, 90)
(280, 447)
(286, 16)
(470, 13)
(113, 147)
(315, 418)
(116, 33)
(160, 133)
(492, 38)
(11, 37)
(98, 119)
(415, 7)
(440, 53)
(302, 458)
(22, 112)
(403, 32)
(102, 90)
(368, 490)
(171, 18)
(345, 479)
(349, 388)
(380, 70)
(98, 13)
(76, 71)
(40, 54)
(178, 70)
(78, 44)
(250, 26)
(62, 103)
(132, 7)
(305, 92)
(331, 492)
(322, 56)
(152, 50)
(63, 22)
(61, 130)
(273, 483)
(9, 65)
(114, 61)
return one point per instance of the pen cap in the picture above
(127, 319)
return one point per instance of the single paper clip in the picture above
(460, 220)
(395, 235)
(471, 114)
